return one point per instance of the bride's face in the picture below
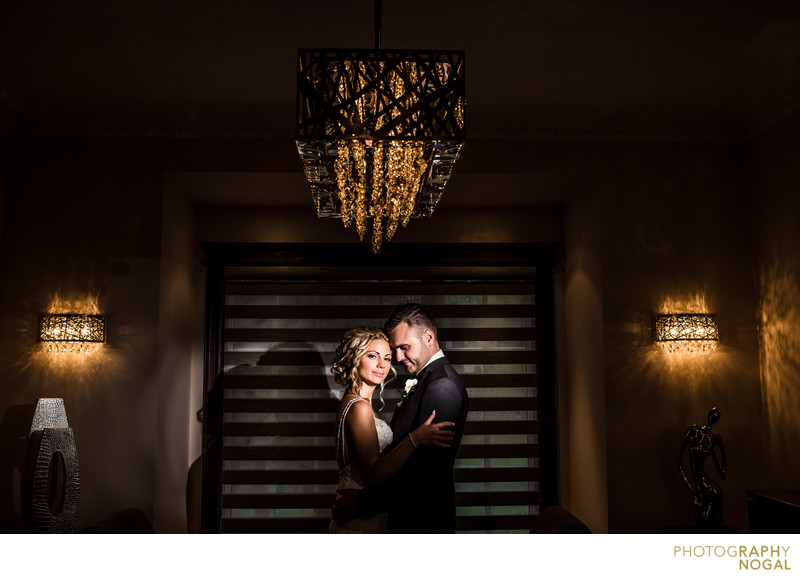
(375, 363)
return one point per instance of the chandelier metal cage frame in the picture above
(379, 132)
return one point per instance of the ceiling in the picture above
(685, 70)
(720, 59)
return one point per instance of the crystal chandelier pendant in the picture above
(379, 133)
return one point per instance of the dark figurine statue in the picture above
(701, 443)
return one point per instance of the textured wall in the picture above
(775, 176)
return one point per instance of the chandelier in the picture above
(379, 132)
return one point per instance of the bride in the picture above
(362, 362)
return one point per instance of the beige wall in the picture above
(678, 240)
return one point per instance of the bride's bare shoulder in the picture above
(360, 410)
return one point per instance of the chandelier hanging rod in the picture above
(377, 24)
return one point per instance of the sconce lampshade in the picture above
(72, 328)
(687, 332)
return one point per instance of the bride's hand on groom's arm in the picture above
(344, 509)
(430, 434)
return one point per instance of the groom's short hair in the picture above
(415, 315)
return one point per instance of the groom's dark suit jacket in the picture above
(420, 498)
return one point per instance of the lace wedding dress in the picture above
(350, 476)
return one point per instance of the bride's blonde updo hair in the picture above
(355, 344)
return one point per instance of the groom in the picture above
(420, 498)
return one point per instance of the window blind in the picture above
(279, 471)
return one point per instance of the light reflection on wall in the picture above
(779, 350)
(691, 303)
(86, 304)
(696, 371)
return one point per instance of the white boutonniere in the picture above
(411, 384)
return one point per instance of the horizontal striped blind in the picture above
(279, 471)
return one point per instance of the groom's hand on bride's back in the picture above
(344, 509)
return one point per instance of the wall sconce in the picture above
(71, 332)
(687, 332)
